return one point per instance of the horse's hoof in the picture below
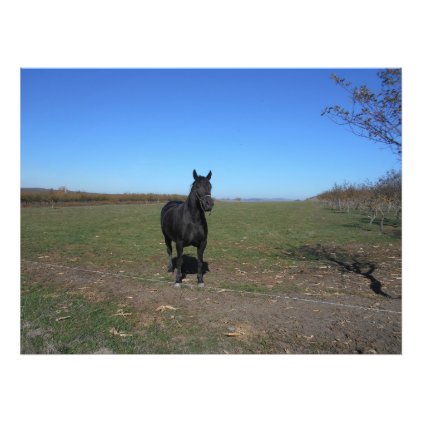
(201, 285)
(178, 285)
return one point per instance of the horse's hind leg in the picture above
(179, 275)
(169, 253)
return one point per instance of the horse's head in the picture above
(202, 189)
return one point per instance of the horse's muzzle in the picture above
(207, 203)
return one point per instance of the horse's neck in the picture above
(192, 206)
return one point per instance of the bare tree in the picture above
(387, 195)
(373, 115)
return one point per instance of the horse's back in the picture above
(169, 206)
(168, 213)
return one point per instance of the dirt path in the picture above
(255, 323)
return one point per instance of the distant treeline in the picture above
(54, 197)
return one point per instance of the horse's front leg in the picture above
(169, 254)
(179, 276)
(200, 251)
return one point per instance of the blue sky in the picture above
(144, 130)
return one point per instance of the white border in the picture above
(207, 34)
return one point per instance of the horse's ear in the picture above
(209, 175)
(195, 175)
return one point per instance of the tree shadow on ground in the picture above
(190, 265)
(344, 261)
(391, 228)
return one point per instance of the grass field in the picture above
(269, 248)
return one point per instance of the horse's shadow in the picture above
(189, 265)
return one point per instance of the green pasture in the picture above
(128, 237)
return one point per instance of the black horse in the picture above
(184, 223)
